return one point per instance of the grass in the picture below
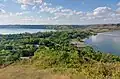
(86, 71)
(27, 72)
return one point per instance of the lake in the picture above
(21, 30)
(17, 29)
(108, 42)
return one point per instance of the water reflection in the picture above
(106, 42)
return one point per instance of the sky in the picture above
(62, 12)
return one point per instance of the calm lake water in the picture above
(108, 42)
(21, 30)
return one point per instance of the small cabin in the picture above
(78, 44)
(25, 58)
(36, 45)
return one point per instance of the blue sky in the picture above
(59, 11)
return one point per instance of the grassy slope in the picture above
(87, 71)
(27, 72)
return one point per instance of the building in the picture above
(78, 44)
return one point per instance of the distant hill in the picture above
(105, 26)
(64, 27)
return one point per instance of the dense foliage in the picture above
(12, 47)
(66, 27)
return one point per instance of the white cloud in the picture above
(66, 10)
(26, 3)
(29, 2)
(58, 14)
(34, 7)
(22, 13)
(2, 5)
(118, 4)
(118, 9)
(47, 4)
(101, 11)
(24, 7)
(98, 15)
(58, 11)
(46, 7)
(3, 0)
(38, 1)
(79, 13)
(2, 11)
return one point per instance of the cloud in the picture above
(24, 7)
(34, 7)
(58, 11)
(3, 0)
(118, 9)
(29, 2)
(26, 3)
(66, 10)
(47, 7)
(2, 6)
(22, 13)
(52, 14)
(101, 11)
(118, 4)
(2, 11)
(65, 15)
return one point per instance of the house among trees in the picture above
(78, 44)
(25, 58)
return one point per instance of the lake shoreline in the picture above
(107, 42)
(7, 31)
